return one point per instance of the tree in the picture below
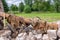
(5, 6)
(46, 5)
(35, 7)
(27, 9)
(14, 8)
(41, 5)
(57, 5)
(21, 7)
(28, 2)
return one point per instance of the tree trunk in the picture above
(1, 7)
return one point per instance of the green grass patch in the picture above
(43, 15)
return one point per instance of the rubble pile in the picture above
(51, 35)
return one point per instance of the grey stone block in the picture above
(58, 32)
(5, 33)
(52, 34)
(21, 36)
(4, 38)
(38, 36)
(45, 37)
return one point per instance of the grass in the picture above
(43, 15)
